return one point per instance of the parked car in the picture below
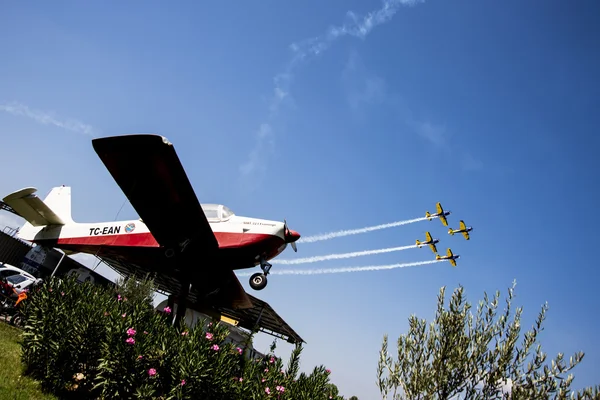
(17, 277)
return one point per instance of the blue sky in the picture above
(488, 107)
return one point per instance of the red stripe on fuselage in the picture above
(249, 243)
(129, 240)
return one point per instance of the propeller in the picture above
(289, 237)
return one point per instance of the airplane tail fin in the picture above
(427, 215)
(55, 209)
(451, 232)
(418, 242)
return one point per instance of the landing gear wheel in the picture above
(258, 281)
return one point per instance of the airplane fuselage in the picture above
(428, 242)
(242, 241)
(469, 229)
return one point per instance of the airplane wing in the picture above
(433, 248)
(229, 293)
(462, 224)
(444, 220)
(449, 252)
(147, 169)
(209, 286)
(440, 210)
(466, 234)
(428, 236)
(453, 262)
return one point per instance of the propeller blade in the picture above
(286, 233)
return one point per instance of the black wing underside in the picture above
(150, 174)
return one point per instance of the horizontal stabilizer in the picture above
(32, 208)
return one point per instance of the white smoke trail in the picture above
(332, 235)
(307, 260)
(343, 269)
(303, 51)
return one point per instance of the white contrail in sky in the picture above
(332, 235)
(307, 260)
(303, 51)
(47, 118)
(343, 269)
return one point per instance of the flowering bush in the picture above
(89, 341)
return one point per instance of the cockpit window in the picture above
(226, 213)
(211, 214)
(216, 212)
(211, 211)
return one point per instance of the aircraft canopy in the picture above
(217, 212)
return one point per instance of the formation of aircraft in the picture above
(429, 241)
(463, 229)
(190, 248)
(449, 256)
(441, 214)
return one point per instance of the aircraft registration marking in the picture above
(107, 230)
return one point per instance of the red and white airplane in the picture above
(177, 240)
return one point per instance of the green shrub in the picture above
(87, 341)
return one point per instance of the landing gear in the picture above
(258, 281)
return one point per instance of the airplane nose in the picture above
(292, 236)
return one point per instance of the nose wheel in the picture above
(258, 281)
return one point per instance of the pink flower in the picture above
(266, 369)
(185, 333)
(328, 371)
(209, 335)
(182, 382)
(280, 389)
(167, 310)
(145, 333)
(239, 350)
(118, 297)
(140, 357)
(272, 360)
(241, 379)
(267, 390)
(263, 380)
(124, 315)
(130, 332)
(62, 293)
(151, 372)
(130, 340)
(215, 347)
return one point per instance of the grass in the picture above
(13, 386)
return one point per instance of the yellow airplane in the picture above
(431, 242)
(440, 213)
(450, 257)
(464, 229)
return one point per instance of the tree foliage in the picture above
(462, 356)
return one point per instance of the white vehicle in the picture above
(16, 277)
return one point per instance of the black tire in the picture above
(17, 320)
(258, 281)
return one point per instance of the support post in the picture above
(57, 265)
(182, 301)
